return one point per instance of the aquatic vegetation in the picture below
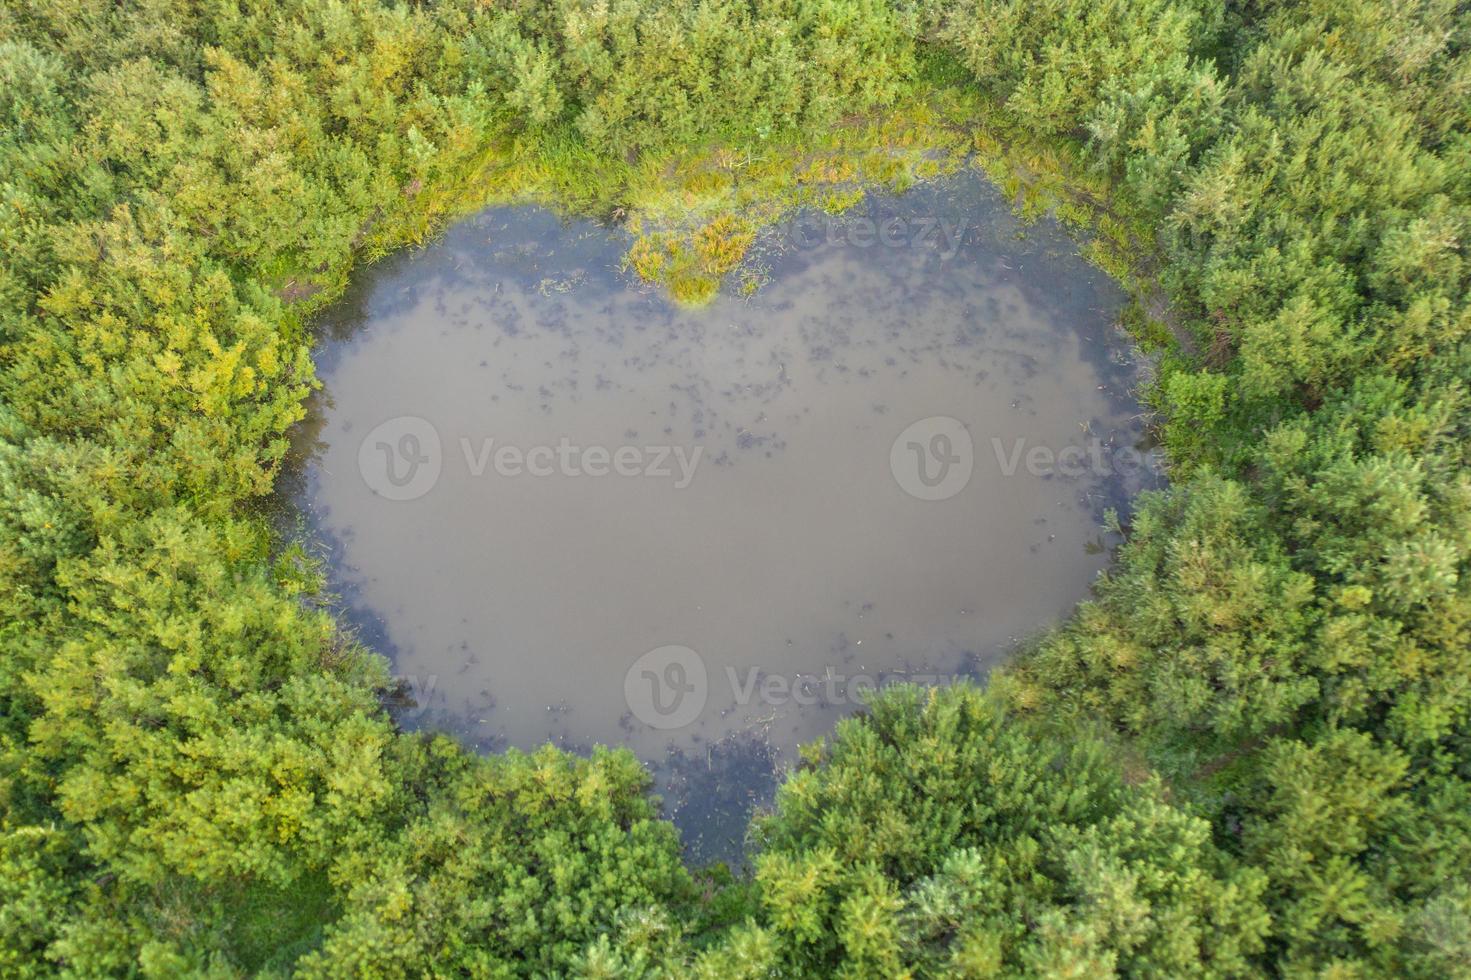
(196, 775)
(693, 268)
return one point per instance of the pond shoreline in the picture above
(552, 291)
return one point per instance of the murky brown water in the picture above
(570, 511)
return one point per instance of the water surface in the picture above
(571, 511)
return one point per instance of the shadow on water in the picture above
(570, 511)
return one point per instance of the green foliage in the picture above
(1194, 403)
(195, 774)
(631, 76)
(1301, 663)
(938, 837)
(1286, 633)
(516, 865)
(1126, 73)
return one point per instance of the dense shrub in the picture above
(936, 837)
(195, 775)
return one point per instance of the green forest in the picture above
(1249, 754)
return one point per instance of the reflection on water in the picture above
(570, 511)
